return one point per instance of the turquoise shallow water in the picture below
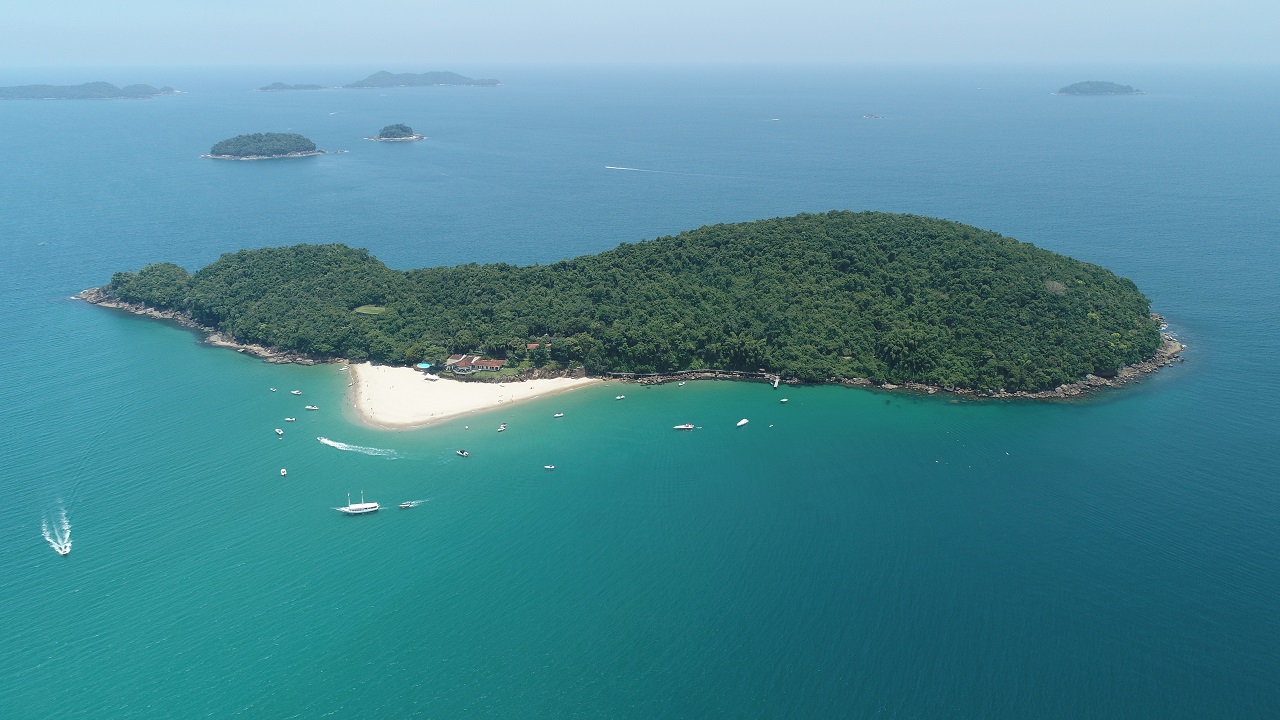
(850, 553)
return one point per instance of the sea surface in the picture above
(850, 553)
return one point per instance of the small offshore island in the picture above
(87, 91)
(397, 133)
(282, 87)
(263, 146)
(861, 298)
(1098, 87)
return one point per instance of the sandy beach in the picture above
(399, 398)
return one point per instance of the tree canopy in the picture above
(893, 298)
(399, 130)
(263, 145)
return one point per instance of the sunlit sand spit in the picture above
(398, 398)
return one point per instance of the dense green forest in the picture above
(93, 90)
(399, 130)
(263, 145)
(385, 79)
(1098, 87)
(893, 298)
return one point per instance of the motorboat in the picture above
(742, 422)
(464, 453)
(273, 389)
(407, 505)
(63, 548)
(279, 431)
(681, 383)
(312, 407)
(558, 415)
(549, 467)
(283, 472)
(295, 392)
(360, 508)
(502, 427)
(686, 426)
(783, 400)
(620, 397)
(290, 419)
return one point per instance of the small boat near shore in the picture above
(742, 422)
(295, 392)
(502, 427)
(273, 389)
(549, 467)
(311, 407)
(360, 508)
(464, 453)
(558, 415)
(620, 397)
(409, 503)
(290, 419)
(686, 426)
(279, 432)
(783, 400)
(284, 473)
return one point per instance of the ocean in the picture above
(850, 553)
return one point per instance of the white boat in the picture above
(502, 427)
(783, 400)
(775, 381)
(290, 419)
(295, 392)
(408, 504)
(681, 383)
(283, 472)
(279, 431)
(464, 453)
(686, 426)
(273, 389)
(549, 467)
(311, 407)
(558, 415)
(430, 377)
(359, 508)
(742, 422)
(63, 548)
(620, 397)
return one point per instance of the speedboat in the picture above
(63, 548)
(620, 397)
(290, 419)
(681, 383)
(279, 431)
(359, 508)
(312, 407)
(407, 505)
(283, 472)
(742, 422)
(783, 400)
(502, 427)
(295, 392)
(549, 467)
(273, 389)
(463, 453)
(558, 415)
(686, 426)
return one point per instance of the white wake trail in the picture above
(377, 452)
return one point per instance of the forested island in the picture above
(398, 132)
(842, 296)
(87, 91)
(262, 146)
(385, 79)
(282, 87)
(1098, 87)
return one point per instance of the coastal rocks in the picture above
(101, 296)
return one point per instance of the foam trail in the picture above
(379, 452)
(60, 537)
(672, 172)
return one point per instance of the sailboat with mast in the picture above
(360, 508)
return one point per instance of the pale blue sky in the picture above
(460, 33)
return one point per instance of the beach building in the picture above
(467, 364)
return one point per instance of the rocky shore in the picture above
(263, 157)
(100, 296)
(1169, 352)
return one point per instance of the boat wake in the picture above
(377, 452)
(59, 538)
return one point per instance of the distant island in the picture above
(87, 91)
(263, 146)
(281, 87)
(862, 298)
(1098, 87)
(397, 133)
(385, 79)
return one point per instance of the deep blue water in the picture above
(849, 554)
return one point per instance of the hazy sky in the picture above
(456, 34)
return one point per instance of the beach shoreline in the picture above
(401, 398)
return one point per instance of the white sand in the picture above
(399, 398)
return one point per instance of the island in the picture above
(861, 298)
(87, 91)
(1098, 87)
(263, 146)
(282, 87)
(397, 133)
(385, 79)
